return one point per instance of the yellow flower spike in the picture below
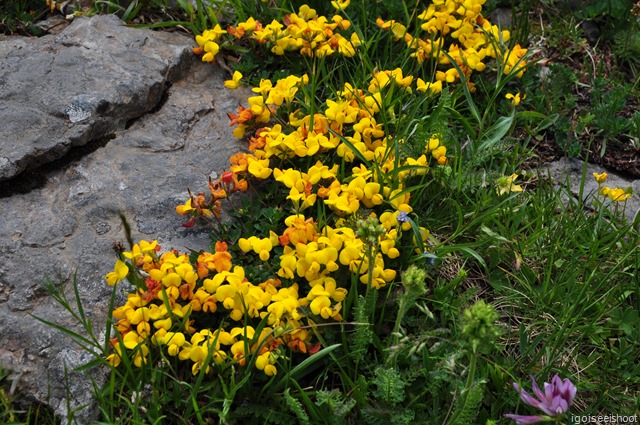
(600, 178)
(234, 82)
(120, 271)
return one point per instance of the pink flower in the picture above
(555, 400)
(525, 420)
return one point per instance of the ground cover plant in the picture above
(391, 258)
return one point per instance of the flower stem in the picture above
(467, 388)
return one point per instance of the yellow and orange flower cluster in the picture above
(456, 30)
(305, 32)
(176, 293)
(202, 206)
(208, 45)
(309, 259)
(336, 170)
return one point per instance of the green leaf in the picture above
(299, 371)
(497, 131)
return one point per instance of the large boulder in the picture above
(84, 84)
(154, 123)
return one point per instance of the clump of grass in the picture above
(18, 17)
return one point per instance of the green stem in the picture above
(467, 388)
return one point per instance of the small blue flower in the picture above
(429, 256)
(403, 217)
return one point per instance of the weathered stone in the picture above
(569, 171)
(86, 83)
(63, 222)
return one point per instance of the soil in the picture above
(587, 53)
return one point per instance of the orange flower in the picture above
(219, 261)
(243, 115)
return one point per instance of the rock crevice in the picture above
(100, 120)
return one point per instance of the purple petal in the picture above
(524, 420)
(536, 390)
(526, 397)
(568, 391)
(558, 405)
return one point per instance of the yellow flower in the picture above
(600, 178)
(433, 88)
(115, 357)
(265, 362)
(340, 4)
(505, 185)
(212, 48)
(120, 271)
(262, 247)
(515, 99)
(259, 168)
(617, 194)
(186, 208)
(234, 82)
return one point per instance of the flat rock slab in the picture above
(83, 84)
(61, 219)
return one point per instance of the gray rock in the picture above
(86, 83)
(502, 17)
(60, 220)
(568, 173)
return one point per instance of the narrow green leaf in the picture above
(497, 131)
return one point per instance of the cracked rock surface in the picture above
(80, 85)
(154, 123)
